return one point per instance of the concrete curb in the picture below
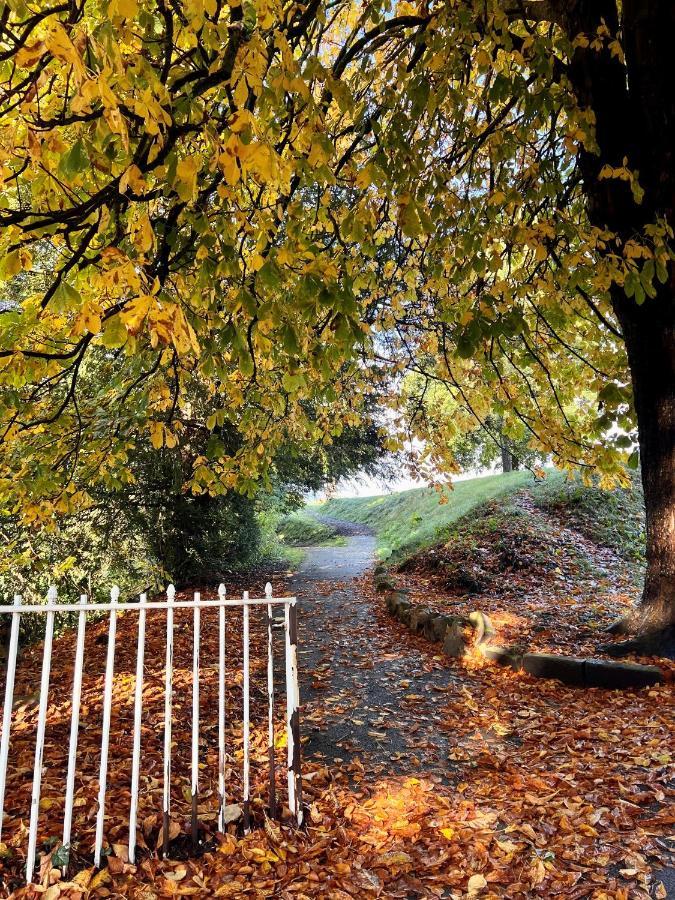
(448, 630)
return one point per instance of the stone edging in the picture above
(447, 630)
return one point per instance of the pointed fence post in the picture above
(40, 738)
(138, 718)
(247, 723)
(270, 703)
(221, 709)
(74, 729)
(9, 701)
(293, 711)
(105, 735)
(168, 713)
(195, 718)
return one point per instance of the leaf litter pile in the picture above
(439, 778)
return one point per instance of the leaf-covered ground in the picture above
(424, 776)
(545, 585)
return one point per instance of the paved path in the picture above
(366, 693)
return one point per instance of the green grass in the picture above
(411, 520)
(302, 530)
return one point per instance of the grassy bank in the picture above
(302, 530)
(613, 519)
(410, 520)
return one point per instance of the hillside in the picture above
(410, 520)
(516, 549)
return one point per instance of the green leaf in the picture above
(115, 334)
(65, 298)
(74, 161)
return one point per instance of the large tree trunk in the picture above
(507, 459)
(634, 108)
(649, 333)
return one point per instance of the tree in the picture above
(471, 446)
(538, 138)
(240, 196)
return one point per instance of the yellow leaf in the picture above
(59, 45)
(11, 265)
(186, 178)
(476, 884)
(448, 833)
(241, 120)
(144, 236)
(125, 8)
(89, 319)
(28, 56)
(132, 178)
(101, 878)
(156, 434)
(83, 878)
(135, 313)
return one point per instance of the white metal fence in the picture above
(289, 625)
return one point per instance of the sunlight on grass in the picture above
(410, 520)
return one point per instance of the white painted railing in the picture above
(114, 607)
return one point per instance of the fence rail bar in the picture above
(40, 741)
(195, 720)
(247, 735)
(270, 704)
(134, 607)
(221, 710)
(138, 718)
(293, 712)
(168, 715)
(9, 702)
(74, 729)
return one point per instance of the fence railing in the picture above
(289, 625)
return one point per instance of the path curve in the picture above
(365, 692)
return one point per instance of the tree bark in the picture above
(507, 459)
(634, 107)
(649, 334)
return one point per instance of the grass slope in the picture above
(410, 520)
(302, 530)
(613, 519)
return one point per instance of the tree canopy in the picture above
(230, 213)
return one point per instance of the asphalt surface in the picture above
(365, 692)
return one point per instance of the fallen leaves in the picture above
(422, 777)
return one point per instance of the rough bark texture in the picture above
(634, 106)
(650, 341)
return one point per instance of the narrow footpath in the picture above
(366, 692)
